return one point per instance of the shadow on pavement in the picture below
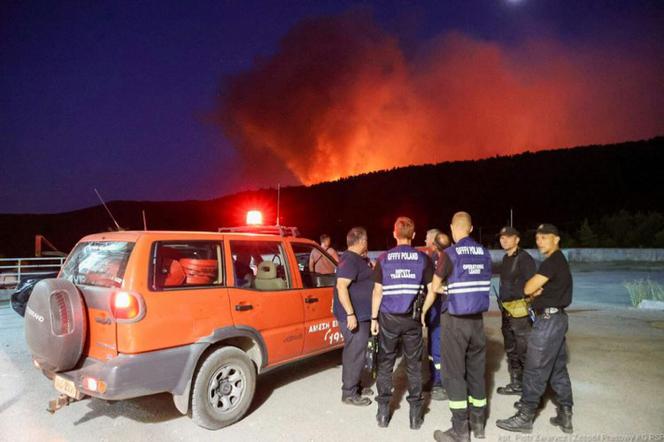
(146, 409)
(495, 355)
(292, 372)
(8, 403)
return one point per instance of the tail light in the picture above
(127, 306)
(92, 384)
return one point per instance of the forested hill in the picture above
(612, 195)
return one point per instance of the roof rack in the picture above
(262, 230)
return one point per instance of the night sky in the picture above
(176, 100)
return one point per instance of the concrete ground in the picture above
(616, 366)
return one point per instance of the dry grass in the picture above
(644, 289)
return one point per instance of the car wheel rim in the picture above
(226, 388)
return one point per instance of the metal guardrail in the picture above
(15, 270)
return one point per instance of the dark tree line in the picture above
(622, 229)
(604, 196)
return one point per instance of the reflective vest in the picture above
(403, 278)
(469, 284)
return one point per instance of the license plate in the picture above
(65, 386)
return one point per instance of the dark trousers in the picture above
(463, 360)
(433, 341)
(546, 361)
(395, 328)
(353, 357)
(515, 336)
(433, 347)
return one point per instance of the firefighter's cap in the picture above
(509, 231)
(548, 229)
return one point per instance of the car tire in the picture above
(224, 387)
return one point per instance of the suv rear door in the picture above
(97, 269)
(321, 328)
(262, 296)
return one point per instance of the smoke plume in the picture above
(340, 97)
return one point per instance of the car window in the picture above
(260, 265)
(186, 264)
(98, 263)
(316, 268)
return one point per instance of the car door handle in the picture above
(310, 300)
(102, 320)
(243, 307)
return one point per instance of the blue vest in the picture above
(403, 278)
(469, 284)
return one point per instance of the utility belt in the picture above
(547, 312)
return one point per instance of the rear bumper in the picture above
(130, 376)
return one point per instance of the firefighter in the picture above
(546, 360)
(517, 268)
(465, 267)
(401, 275)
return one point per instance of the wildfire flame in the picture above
(340, 97)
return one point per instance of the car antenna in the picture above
(145, 222)
(278, 202)
(108, 210)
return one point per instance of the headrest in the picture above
(175, 275)
(266, 270)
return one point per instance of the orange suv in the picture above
(195, 314)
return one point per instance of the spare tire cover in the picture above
(56, 324)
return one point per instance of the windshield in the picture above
(100, 263)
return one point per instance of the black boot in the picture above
(459, 431)
(477, 421)
(514, 387)
(416, 418)
(383, 415)
(510, 389)
(563, 419)
(438, 393)
(521, 422)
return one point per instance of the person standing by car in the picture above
(546, 360)
(517, 268)
(466, 269)
(352, 308)
(402, 276)
(316, 262)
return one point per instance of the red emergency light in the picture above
(254, 218)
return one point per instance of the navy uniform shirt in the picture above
(356, 268)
